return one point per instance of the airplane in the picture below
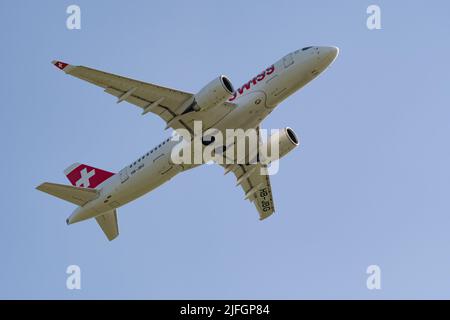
(99, 193)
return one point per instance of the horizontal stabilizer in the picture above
(109, 225)
(75, 195)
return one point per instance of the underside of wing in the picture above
(75, 195)
(169, 104)
(255, 181)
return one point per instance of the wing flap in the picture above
(161, 110)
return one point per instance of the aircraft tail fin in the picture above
(109, 225)
(75, 195)
(82, 175)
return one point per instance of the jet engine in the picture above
(214, 93)
(285, 138)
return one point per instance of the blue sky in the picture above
(369, 184)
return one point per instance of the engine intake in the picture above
(214, 93)
(287, 141)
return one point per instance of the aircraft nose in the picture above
(329, 53)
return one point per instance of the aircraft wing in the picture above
(165, 102)
(255, 182)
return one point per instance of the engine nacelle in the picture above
(214, 93)
(285, 138)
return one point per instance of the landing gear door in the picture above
(123, 175)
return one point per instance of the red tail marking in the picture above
(87, 176)
(60, 65)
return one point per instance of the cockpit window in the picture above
(306, 48)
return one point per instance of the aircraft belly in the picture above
(154, 175)
(252, 109)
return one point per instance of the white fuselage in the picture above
(255, 100)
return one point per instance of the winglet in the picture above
(59, 64)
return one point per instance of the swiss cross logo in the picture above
(81, 175)
(60, 65)
(84, 179)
